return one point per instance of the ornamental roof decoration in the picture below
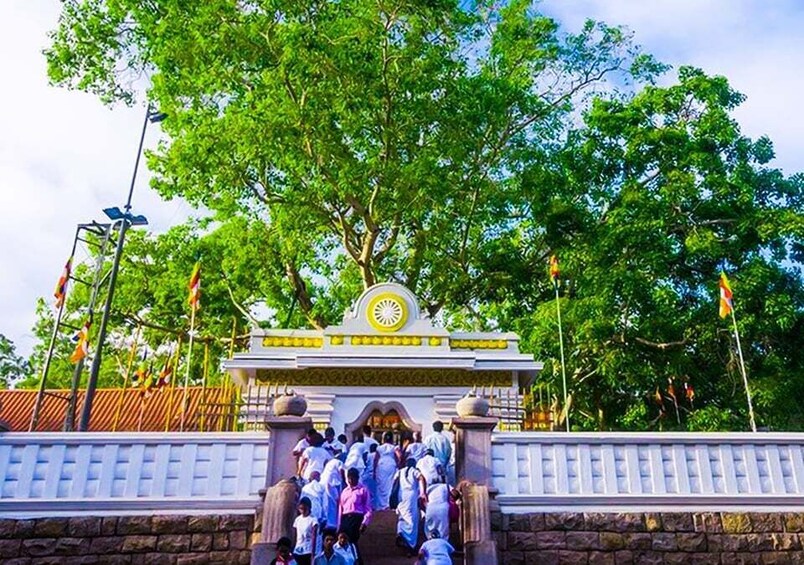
(385, 328)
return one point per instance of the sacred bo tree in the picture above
(453, 148)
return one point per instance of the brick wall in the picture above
(168, 540)
(650, 538)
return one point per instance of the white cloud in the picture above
(64, 156)
(756, 44)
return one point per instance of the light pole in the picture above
(124, 219)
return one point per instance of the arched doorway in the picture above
(383, 417)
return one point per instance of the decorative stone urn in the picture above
(290, 404)
(472, 405)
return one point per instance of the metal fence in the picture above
(522, 410)
(238, 410)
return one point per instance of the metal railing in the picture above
(522, 411)
(238, 411)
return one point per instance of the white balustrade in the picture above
(118, 473)
(537, 471)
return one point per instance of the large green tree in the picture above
(375, 138)
(453, 147)
(645, 205)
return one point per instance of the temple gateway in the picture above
(387, 365)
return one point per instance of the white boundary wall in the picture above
(632, 472)
(50, 474)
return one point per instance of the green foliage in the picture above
(12, 366)
(452, 150)
(648, 202)
(375, 139)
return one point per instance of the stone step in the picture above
(397, 560)
(383, 521)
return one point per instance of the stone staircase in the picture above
(378, 543)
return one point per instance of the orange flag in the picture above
(195, 287)
(554, 272)
(82, 345)
(726, 304)
(61, 287)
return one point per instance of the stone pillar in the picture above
(286, 431)
(478, 545)
(473, 468)
(278, 512)
(473, 449)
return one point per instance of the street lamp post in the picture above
(124, 220)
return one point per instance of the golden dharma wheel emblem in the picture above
(387, 312)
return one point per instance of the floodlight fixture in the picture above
(114, 213)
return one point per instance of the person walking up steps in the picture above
(385, 465)
(354, 510)
(436, 515)
(332, 480)
(440, 444)
(412, 487)
(435, 551)
(314, 458)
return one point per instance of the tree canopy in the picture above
(453, 148)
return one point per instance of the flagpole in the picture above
(561, 348)
(745, 375)
(122, 392)
(173, 375)
(187, 373)
(204, 374)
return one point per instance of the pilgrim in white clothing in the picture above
(436, 516)
(316, 492)
(431, 468)
(385, 468)
(313, 459)
(332, 481)
(436, 551)
(410, 490)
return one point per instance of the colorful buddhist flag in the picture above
(82, 343)
(141, 373)
(554, 272)
(195, 287)
(164, 375)
(671, 390)
(726, 304)
(689, 392)
(657, 397)
(61, 287)
(143, 378)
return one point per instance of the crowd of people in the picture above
(341, 486)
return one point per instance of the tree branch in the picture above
(303, 296)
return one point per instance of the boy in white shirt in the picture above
(306, 527)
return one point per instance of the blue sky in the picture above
(64, 156)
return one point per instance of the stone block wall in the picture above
(716, 538)
(124, 540)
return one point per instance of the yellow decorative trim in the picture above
(478, 344)
(392, 304)
(336, 340)
(396, 340)
(286, 341)
(352, 377)
(434, 341)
